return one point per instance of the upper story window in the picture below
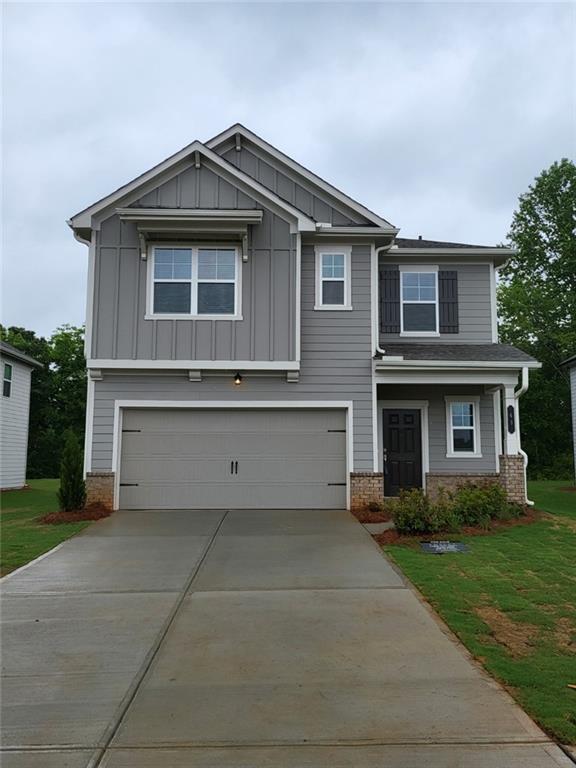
(190, 281)
(7, 380)
(333, 289)
(462, 427)
(419, 301)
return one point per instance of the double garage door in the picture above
(233, 459)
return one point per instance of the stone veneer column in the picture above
(100, 488)
(365, 487)
(512, 477)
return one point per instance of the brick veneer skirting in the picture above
(450, 481)
(365, 487)
(100, 488)
(512, 477)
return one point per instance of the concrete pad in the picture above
(68, 660)
(114, 564)
(165, 522)
(315, 666)
(295, 562)
(48, 759)
(273, 522)
(360, 756)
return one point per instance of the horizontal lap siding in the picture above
(474, 305)
(435, 395)
(336, 365)
(14, 426)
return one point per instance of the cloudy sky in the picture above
(435, 115)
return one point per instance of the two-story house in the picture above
(255, 338)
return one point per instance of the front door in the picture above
(402, 448)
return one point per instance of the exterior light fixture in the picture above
(237, 379)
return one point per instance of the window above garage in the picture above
(190, 281)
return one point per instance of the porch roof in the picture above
(481, 355)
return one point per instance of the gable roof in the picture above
(244, 132)
(83, 219)
(7, 350)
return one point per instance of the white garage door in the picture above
(233, 459)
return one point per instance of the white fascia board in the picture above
(204, 365)
(463, 365)
(325, 231)
(486, 378)
(301, 170)
(194, 214)
(83, 219)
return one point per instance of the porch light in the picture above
(237, 379)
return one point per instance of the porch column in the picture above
(511, 423)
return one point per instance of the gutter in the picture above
(517, 395)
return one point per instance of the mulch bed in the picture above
(91, 512)
(393, 537)
(364, 516)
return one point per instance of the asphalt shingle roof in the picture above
(457, 352)
(407, 242)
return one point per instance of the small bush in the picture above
(414, 513)
(478, 507)
(374, 506)
(72, 492)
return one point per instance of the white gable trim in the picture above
(132, 190)
(216, 141)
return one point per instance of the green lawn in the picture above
(512, 602)
(23, 538)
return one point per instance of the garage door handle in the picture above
(335, 483)
(130, 484)
(231, 467)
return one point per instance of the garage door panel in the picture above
(179, 458)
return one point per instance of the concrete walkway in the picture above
(241, 640)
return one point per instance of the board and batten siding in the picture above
(14, 419)
(335, 365)
(267, 329)
(435, 394)
(474, 303)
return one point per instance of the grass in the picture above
(512, 602)
(23, 537)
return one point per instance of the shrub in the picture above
(72, 492)
(374, 506)
(477, 506)
(414, 513)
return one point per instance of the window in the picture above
(191, 281)
(419, 301)
(462, 434)
(7, 380)
(333, 278)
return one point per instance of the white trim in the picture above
(420, 405)
(206, 365)
(375, 459)
(91, 282)
(460, 376)
(319, 252)
(193, 281)
(88, 433)
(252, 216)
(474, 401)
(493, 304)
(497, 406)
(298, 296)
(216, 141)
(512, 365)
(121, 405)
(421, 269)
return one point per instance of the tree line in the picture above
(537, 311)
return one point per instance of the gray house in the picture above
(571, 365)
(16, 370)
(257, 338)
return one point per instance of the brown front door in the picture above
(402, 445)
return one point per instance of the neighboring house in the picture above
(257, 338)
(571, 365)
(16, 368)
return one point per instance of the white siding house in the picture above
(16, 371)
(571, 365)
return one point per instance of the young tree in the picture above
(537, 308)
(72, 493)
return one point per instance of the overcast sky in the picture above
(435, 115)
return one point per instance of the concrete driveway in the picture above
(241, 640)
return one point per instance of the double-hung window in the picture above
(462, 433)
(7, 380)
(333, 278)
(189, 281)
(419, 301)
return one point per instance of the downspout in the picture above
(517, 395)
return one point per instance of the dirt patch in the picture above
(365, 516)
(517, 638)
(91, 512)
(388, 537)
(565, 635)
(568, 488)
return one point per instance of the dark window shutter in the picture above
(448, 294)
(389, 300)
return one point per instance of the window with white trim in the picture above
(7, 380)
(462, 422)
(419, 302)
(194, 281)
(333, 278)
